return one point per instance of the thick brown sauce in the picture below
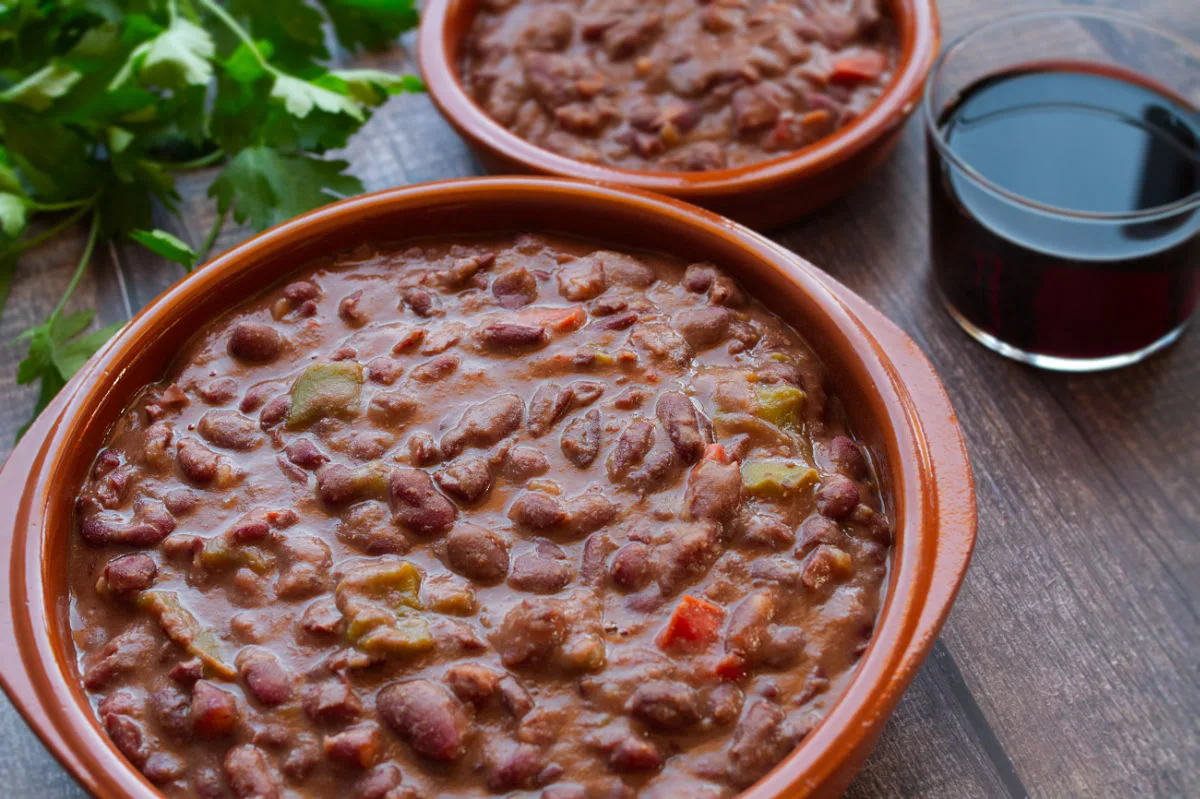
(799, 590)
(677, 85)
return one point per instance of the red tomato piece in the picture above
(858, 68)
(695, 624)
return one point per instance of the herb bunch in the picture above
(103, 102)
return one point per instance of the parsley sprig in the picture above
(103, 102)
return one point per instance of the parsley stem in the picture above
(228, 21)
(49, 233)
(211, 238)
(196, 163)
(63, 206)
(93, 236)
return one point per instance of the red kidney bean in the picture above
(837, 497)
(580, 441)
(128, 574)
(249, 773)
(265, 678)
(427, 717)
(417, 505)
(466, 479)
(478, 553)
(331, 700)
(255, 342)
(214, 710)
(484, 424)
(664, 705)
(472, 683)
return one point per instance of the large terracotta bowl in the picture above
(894, 399)
(762, 195)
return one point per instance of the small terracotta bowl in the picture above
(762, 195)
(893, 397)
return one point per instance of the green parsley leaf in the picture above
(180, 55)
(39, 91)
(168, 246)
(373, 24)
(300, 97)
(371, 87)
(267, 187)
(12, 214)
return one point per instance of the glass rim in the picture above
(947, 152)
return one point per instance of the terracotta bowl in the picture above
(762, 195)
(893, 396)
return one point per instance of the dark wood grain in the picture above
(1069, 666)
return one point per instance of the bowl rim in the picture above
(933, 491)
(920, 35)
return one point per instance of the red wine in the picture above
(1051, 275)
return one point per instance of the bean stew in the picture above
(492, 516)
(678, 85)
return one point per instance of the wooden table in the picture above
(1070, 665)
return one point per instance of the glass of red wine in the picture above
(1064, 186)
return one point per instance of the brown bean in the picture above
(350, 312)
(714, 491)
(379, 783)
(484, 424)
(634, 443)
(392, 408)
(703, 328)
(126, 575)
(548, 405)
(515, 288)
(747, 634)
(265, 678)
(542, 570)
(760, 741)
(512, 766)
(214, 710)
(632, 566)
(477, 553)
(422, 301)
(634, 754)
(514, 696)
(472, 683)
(249, 773)
(274, 412)
(255, 342)
(356, 746)
(513, 337)
(416, 504)
(219, 391)
(665, 705)
(681, 420)
(531, 632)
(332, 701)
(427, 717)
(230, 430)
(322, 617)
(580, 441)
(197, 462)
(305, 454)
(437, 368)
(466, 479)
(523, 463)
(837, 497)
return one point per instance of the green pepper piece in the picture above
(405, 634)
(325, 389)
(776, 477)
(780, 405)
(396, 583)
(217, 554)
(185, 630)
